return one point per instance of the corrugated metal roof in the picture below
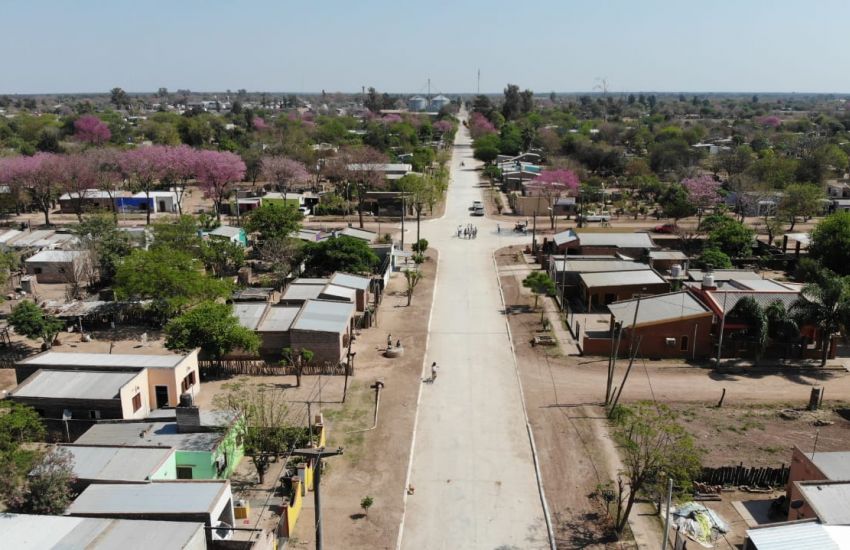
(795, 536)
(621, 278)
(834, 465)
(759, 284)
(653, 309)
(278, 319)
(31, 532)
(126, 360)
(55, 256)
(619, 240)
(147, 434)
(564, 237)
(322, 316)
(66, 384)
(337, 291)
(227, 231)
(9, 235)
(727, 299)
(667, 255)
(829, 499)
(149, 498)
(310, 281)
(574, 265)
(302, 292)
(724, 274)
(351, 281)
(27, 239)
(116, 463)
(361, 234)
(249, 313)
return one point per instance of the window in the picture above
(684, 344)
(37, 270)
(137, 402)
(184, 472)
(61, 270)
(188, 382)
(94, 415)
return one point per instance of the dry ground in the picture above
(374, 462)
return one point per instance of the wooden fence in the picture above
(258, 367)
(739, 475)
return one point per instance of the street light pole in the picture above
(317, 479)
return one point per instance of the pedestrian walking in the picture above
(434, 371)
(389, 341)
(498, 229)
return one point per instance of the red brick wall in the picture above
(653, 342)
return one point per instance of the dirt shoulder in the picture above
(374, 462)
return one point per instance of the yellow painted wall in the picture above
(139, 384)
(172, 379)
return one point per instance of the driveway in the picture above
(472, 468)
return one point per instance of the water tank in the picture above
(708, 280)
(222, 531)
(676, 270)
(186, 399)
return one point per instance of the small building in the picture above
(597, 290)
(42, 238)
(154, 201)
(664, 261)
(206, 445)
(338, 293)
(819, 466)
(633, 245)
(89, 395)
(274, 326)
(207, 502)
(98, 464)
(274, 197)
(391, 171)
(228, 233)
(798, 535)
(667, 325)
(359, 283)
(356, 233)
(827, 501)
(31, 532)
(58, 266)
(301, 290)
(92, 199)
(168, 375)
(324, 327)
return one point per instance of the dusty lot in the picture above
(374, 461)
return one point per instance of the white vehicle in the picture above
(478, 211)
(305, 210)
(592, 216)
(477, 204)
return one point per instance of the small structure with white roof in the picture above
(58, 266)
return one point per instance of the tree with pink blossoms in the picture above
(143, 168)
(552, 185)
(259, 124)
(39, 175)
(178, 167)
(479, 126)
(442, 126)
(10, 178)
(703, 192)
(771, 121)
(363, 171)
(105, 165)
(283, 172)
(90, 129)
(216, 172)
(77, 177)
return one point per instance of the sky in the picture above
(84, 46)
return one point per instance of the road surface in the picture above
(472, 468)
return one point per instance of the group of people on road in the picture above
(469, 231)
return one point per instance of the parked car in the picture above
(592, 216)
(666, 228)
(478, 211)
(476, 204)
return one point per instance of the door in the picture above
(184, 472)
(161, 396)
(161, 206)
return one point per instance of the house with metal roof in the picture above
(229, 233)
(828, 501)
(68, 396)
(207, 502)
(32, 532)
(58, 266)
(798, 535)
(598, 289)
(634, 245)
(358, 282)
(357, 233)
(324, 327)
(90, 199)
(169, 375)
(815, 466)
(99, 464)
(204, 446)
(662, 326)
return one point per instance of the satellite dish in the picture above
(796, 504)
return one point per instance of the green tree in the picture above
(800, 200)
(213, 328)
(826, 305)
(340, 254)
(222, 256)
(781, 326)
(486, 148)
(29, 320)
(712, 258)
(172, 280)
(366, 503)
(99, 234)
(654, 446)
(511, 105)
(831, 243)
(540, 284)
(181, 234)
(676, 204)
(412, 277)
(728, 235)
(749, 313)
(274, 220)
(47, 489)
(297, 359)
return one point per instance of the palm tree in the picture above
(826, 305)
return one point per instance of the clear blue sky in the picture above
(396, 45)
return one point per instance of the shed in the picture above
(96, 464)
(31, 532)
(359, 283)
(274, 328)
(323, 327)
(602, 288)
(57, 266)
(299, 292)
(229, 233)
(339, 293)
(208, 502)
(799, 535)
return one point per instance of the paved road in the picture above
(472, 466)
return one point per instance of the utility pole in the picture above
(667, 515)
(402, 220)
(478, 85)
(722, 326)
(317, 478)
(534, 232)
(633, 349)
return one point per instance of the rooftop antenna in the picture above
(478, 84)
(429, 92)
